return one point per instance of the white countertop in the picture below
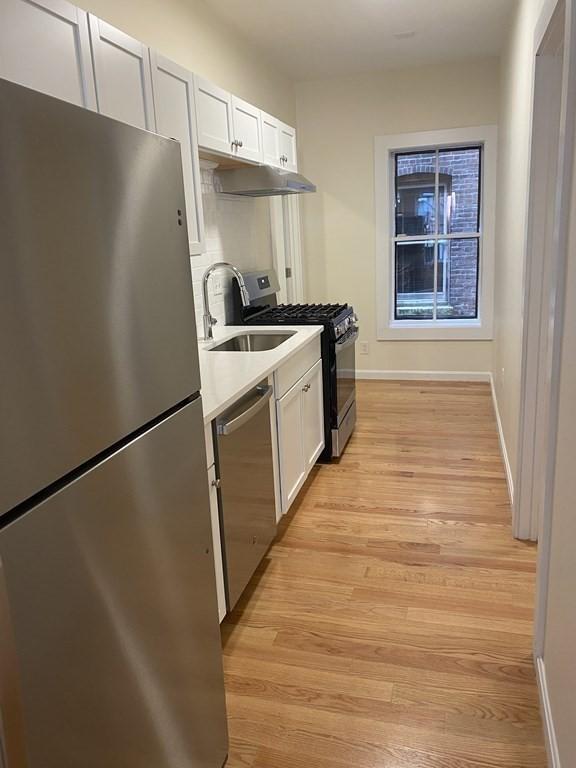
(226, 376)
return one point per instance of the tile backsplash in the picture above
(237, 230)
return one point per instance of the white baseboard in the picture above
(504, 450)
(546, 709)
(425, 375)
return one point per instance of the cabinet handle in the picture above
(237, 143)
(240, 143)
(216, 483)
(306, 388)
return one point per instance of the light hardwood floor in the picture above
(390, 625)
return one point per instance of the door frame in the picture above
(286, 232)
(541, 244)
(548, 310)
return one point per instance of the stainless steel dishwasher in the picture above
(246, 487)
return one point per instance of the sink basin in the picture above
(252, 342)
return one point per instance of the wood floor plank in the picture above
(390, 624)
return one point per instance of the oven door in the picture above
(345, 349)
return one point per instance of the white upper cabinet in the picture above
(271, 140)
(123, 78)
(287, 141)
(227, 124)
(278, 143)
(213, 116)
(175, 114)
(246, 129)
(45, 45)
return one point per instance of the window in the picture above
(435, 220)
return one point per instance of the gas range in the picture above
(338, 343)
(338, 319)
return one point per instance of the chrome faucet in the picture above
(207, 319)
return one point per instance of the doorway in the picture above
(287, 247)
(542, 271)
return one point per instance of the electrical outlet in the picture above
(364, 348)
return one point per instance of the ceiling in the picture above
(310, 39)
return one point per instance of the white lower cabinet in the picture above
(300, 421)
(290, 444)
(313, 416)
(216, 542)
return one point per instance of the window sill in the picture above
(420, 330)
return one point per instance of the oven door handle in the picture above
(348, 341)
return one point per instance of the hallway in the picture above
(390, 625)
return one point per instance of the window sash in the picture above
(434, 237)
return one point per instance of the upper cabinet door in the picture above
(214, 116)
(287, 139)
(271, 140)
(45, 45)
(247, 140)
(123, 78)
(175, 113)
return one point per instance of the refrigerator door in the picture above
(112, 606)
(97, 328)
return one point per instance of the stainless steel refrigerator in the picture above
(110, 651)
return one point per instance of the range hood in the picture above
(261, 181)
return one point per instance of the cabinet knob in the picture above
(216, 483)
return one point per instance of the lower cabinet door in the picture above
(313, 415)
(290, 444)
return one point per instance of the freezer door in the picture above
(97, 328)
(112, 607)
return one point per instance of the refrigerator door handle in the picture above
(11, 720)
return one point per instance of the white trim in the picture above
(540, 283)
(566, 161)
(546, 711)
(293, 239)
(502, 440)
(424, 375)
(286, 239)
(278, 246)
(384, 147)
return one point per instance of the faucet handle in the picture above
(213, 321)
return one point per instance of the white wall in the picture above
(514, 160)
(560, 631)
(337, 121)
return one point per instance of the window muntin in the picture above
(437, 214)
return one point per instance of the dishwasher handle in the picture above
(227, 427)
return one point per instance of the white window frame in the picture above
(385, 148)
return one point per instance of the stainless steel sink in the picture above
(252, 342)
